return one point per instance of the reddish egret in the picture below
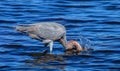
(47, 32)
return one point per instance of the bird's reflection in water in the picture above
(50, 61)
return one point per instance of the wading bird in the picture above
(48, 32)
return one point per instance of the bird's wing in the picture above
(47, 30)
(50, 32)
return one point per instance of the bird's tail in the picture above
(22, 28)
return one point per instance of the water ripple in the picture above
(96, 20)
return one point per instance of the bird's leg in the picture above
(51, 46)
(46, 45)
(50, 42)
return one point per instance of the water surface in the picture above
(98, 21)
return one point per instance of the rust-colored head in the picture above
(71, 46)
(75, 44)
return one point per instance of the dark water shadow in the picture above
(54, 61)
(46, 61)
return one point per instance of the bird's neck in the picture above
(70, 44)
(63, 42)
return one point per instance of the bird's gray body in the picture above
(45, 31)
(51, 31)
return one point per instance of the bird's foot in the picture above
(44, 52)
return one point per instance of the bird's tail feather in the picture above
(22, 28)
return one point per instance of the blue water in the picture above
(98, 21)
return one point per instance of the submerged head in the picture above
(73, 47)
